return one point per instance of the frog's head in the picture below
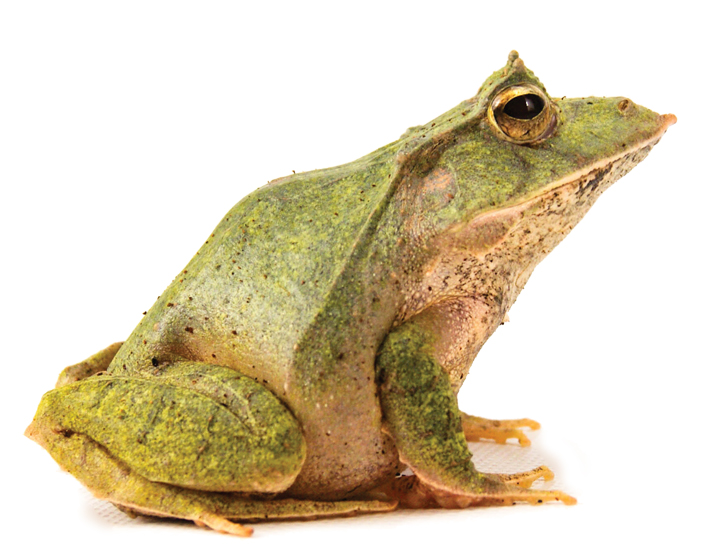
(514, 158)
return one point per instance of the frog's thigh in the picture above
(198, 426)
(421, 415)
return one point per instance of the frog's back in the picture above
(267, 295)
(270, 265)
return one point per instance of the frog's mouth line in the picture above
(667, 120)
(592, 174)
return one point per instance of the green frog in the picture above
(313, 348)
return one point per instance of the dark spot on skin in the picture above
(594, 182)
(234, 332)
(144, 341)
(189, 329)
(154, 361)
(144, 312)
(340, 357)
(190, 298)
(213, 355)
(170, 305)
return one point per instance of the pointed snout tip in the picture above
(667, 120)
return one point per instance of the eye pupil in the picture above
(526, 106)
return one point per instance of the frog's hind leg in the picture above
(111, 479)
(93, 365)
(164, 445)
(476, 428)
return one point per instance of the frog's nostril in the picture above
(624, 105)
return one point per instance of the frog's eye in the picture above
(522, 113)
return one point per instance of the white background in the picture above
(128, 129)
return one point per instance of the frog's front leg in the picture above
(462, 325)
(421, 415)
(169, 445)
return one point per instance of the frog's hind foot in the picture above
(496, 490)
(476, 428)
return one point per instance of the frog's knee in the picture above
(93, 365)
(172, 434)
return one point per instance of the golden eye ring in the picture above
(522, 114)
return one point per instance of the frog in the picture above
(306, 362)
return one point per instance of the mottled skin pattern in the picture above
(358, 296)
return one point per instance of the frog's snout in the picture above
(667, 120)
(627, 108)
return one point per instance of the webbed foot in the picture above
(494, 489)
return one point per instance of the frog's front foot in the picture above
(476, 428)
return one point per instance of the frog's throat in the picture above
(500, 248)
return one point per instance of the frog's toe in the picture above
(476, 428)
(222, 525)
(525, 479)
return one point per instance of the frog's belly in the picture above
(347, 451)
(340, 469)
